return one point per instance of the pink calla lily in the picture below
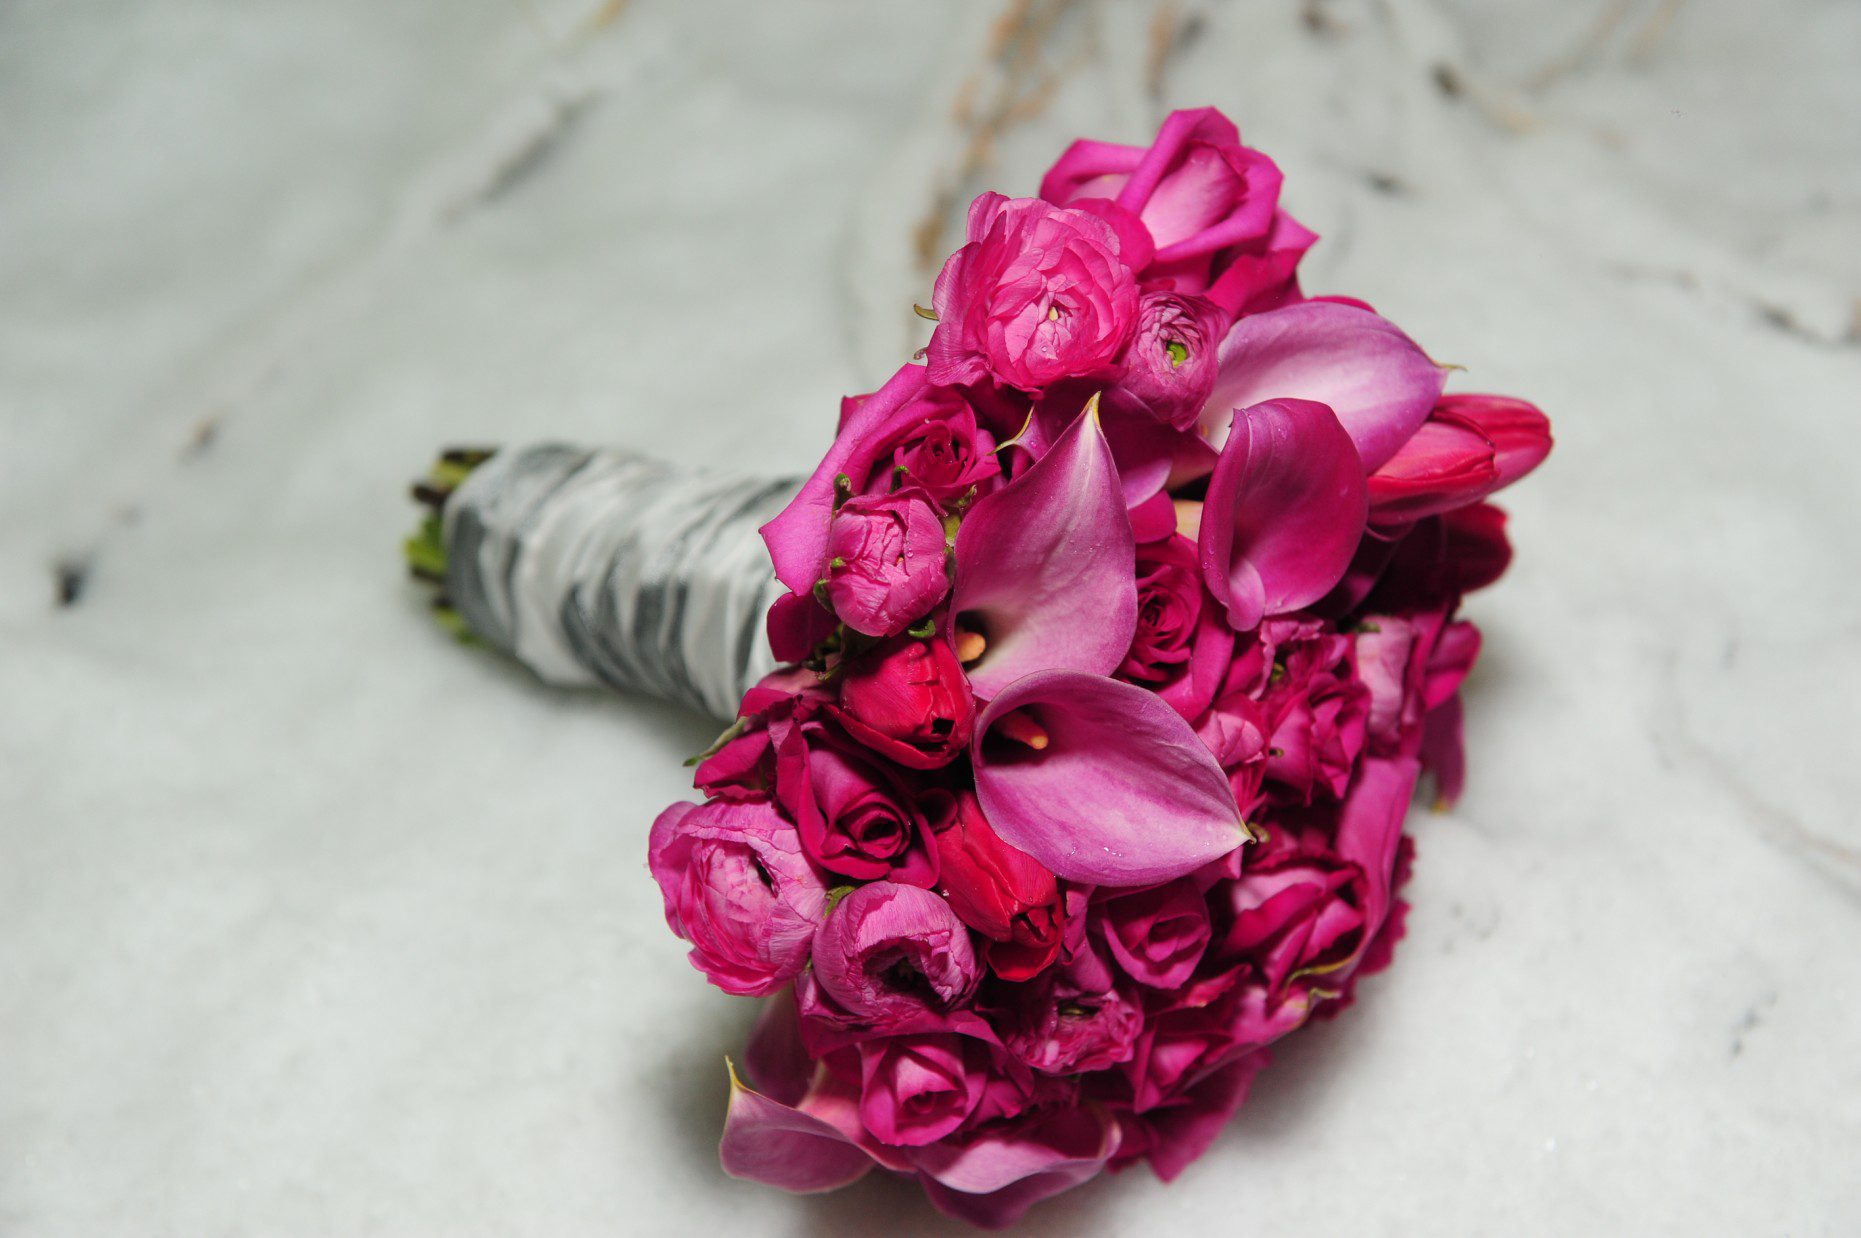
(1044, 566)
(1101, 781)
(1286, 507)
(780, 1145)
(989, 1180)
(994, 1178)
(1374, 378)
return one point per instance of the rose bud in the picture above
(908, 701)
(1039, 294)
(1169, 607)
(948, 454)
(890, 952)
(1004, 894)
(856, 816)
(914, 1090)
(886, 561)
(1170, 367)
(737, 887)
(1157, 935)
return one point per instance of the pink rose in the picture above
(1039, 294)
(1171, 365)
(1175, 1132)
(737, 887)
(886, 564)
(1391, 653)
(1004, 894)
(856, 816)
(942, 450)
(1210, 204)
(1157, 935)
(915, 1090)
(890, 953)
(1297, 911)
(1317, 711)
(1169, 611)
(908, 701)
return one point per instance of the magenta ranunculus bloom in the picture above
(739, 889)
(1038, 295)
(1171, 366)
(892, 953)
(1117, 639)
(885, 565)
(1065, 1032)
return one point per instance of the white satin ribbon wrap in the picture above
(606, 566)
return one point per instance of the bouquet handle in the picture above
(606, 566)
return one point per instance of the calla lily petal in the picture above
(778, 1145)
(1380, 385)
(992, 1179)
(1285, 510)
(1120, 791)
(774, 1058)
(1045, 566)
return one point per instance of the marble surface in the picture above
(313, 923)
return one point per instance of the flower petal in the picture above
(1380, 385)
(991, 1179)
(1120, 792)
(1447, 463)
(1371, 826)
(797, 537)
(1045, 566)
(1285, 510)
(775, 1144)
(1520, 433)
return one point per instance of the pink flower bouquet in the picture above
(1115, 639)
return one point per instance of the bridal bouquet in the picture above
(1109, 645)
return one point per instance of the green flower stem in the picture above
(425, 549)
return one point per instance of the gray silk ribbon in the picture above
(609, 567)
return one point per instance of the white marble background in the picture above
(314, 923)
